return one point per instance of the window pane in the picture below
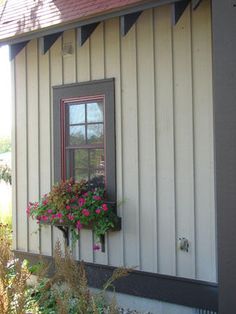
(97, 159)
(95, 112)
(81, 174)
(77, 114)
(96, 178)
(77, 135)
(81, 158)
(95, 133)
(97, 167)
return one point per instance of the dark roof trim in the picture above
(188, 292)
(127, 21)
(178, 9)
(61, 28)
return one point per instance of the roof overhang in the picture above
(59, 28)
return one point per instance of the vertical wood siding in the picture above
(164, 141)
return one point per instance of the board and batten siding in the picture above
(164, 139)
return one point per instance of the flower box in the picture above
(71, 206)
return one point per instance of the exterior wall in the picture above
(164, 134)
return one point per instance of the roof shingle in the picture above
(18, 17)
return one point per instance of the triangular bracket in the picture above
(178, 9)
(127, 21)
(46, 42)
(195, 4)
(16, 48)
(84, 32)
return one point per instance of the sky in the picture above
(5, 93)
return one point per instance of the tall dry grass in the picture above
(5, 203)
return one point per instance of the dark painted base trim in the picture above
(187, 292)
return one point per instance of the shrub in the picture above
(5, 174)
(67, 292)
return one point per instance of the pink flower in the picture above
(45, 202)
(81, 201)
(78, 225)
(59, 215)
(68, 207)
(96, 247)
(70, 217)
(28, 210)
(98, 211)
(85, 212)
(104, 207)
(97, 198)
(49, 211)
(61, 220)
(85, 194)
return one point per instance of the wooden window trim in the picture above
(83, 91)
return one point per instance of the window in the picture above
(84, 134)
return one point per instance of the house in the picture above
(164, 72)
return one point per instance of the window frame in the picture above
(86, 90)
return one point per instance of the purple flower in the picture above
(96, 247)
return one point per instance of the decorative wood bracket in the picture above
(16, 48)
(84, 32)
(47, 41)
(65, 231)
(195, 4)
(178, 9)
(127, 21)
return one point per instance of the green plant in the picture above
(5, 145)
(13, 277)
(72, 204)
(67, 292)
(5, 174)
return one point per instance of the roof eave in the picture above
(18, 38)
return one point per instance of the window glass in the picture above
(76, 135)
(95, 133)
(84, 127)
(95, 112)
(76, 113)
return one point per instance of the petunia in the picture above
(104, 207)
(49, 211)
(98, 211)
(97, 198)
(96, 247)
(85, 212)
(81, 201)
(78, 225)
(70, 217)
(68, 207)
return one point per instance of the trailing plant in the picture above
(72, 204)
(5, 174)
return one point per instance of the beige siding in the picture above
(33, 137)
(164, 140)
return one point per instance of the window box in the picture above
(72, 206)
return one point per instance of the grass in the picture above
(5, 204)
